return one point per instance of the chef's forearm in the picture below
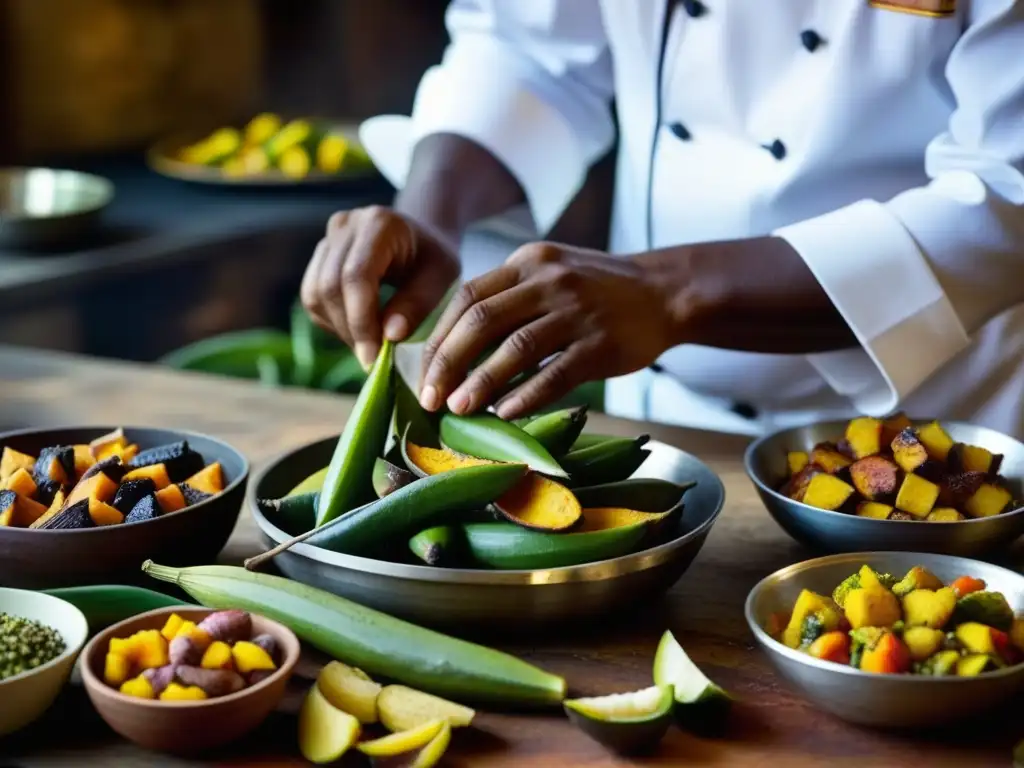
(454, 182)
(753, 295)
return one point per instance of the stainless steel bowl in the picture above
(491, 600)
(895, 701)
(765, 462)
(43, 207)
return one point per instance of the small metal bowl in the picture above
(765, 462)
(883, 700)
(487, 600)
(44, 207)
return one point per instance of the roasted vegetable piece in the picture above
(102, 444)
(116, 669)
(796, 487)
(70, 517)
(249, 657)
(917, 577)
(829, 459)
(169, 499)
(796, 460)
(178, 459)
(980, 638)
(46, 491)
(917, 496)
(944, 515)
(208, 480)
(807, 604)
(97, 486)
(973, 665)
(988, 500)
(956, 488)
(832, 646)
(217, 656)
(862, 639)
(131, 493)
(888, 656)
(827, 492)
(922, 642)
(935, 440)
(891, 427)
(875, 478)
(191, 495)
(864, 436)
(865, 577)
(541, 504)
(21, 482)
(11, 461)
(55, 463)
(27, 511)
(941, 663)
(984, 607)
(8, 500)
(155, 472)
(964, 585)
(83, 458)
(111, 467)
(908, 451)
(874, 510)
(871, 607)
(103, 514)
(160, 677)
(230, 626)
(213, 682)
(145, 509)
(928, 608)
(973, 458)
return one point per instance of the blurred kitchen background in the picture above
(91, 85)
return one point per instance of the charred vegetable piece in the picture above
(55, 463)
(112, 467)
(46, 491)
(796, 487)
(875, 478)
(828, 458)
(8, 500)
(178, 460)
(171, 499)
(209, 480)
(917, 577)
(145, 508)
(892, 426)
(984, 607)
(155, 472)
(131, 493)
(72, 517)
(973, 458)
(192, 495)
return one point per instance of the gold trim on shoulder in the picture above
(932, 8)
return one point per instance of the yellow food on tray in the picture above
(267, 144)
(888, 469)
(915, 624)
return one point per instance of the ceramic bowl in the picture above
(25, 697)
(883, 700)
(765, 462)
(185, 727)
(33, 559)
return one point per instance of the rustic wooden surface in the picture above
(770, 726)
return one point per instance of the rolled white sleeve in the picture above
(529, 81)
(916, 275)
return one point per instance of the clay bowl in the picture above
(185, 727)
(33, 559)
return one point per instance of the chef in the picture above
(819, 211)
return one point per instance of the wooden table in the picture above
(771, 726)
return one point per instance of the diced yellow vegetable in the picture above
(796, 460)
(138, 687)
(927, 608)
(249, 657)
(972, 666)
(935, 440)
(218, 656)
(116, 669)
(923, 641)
(177, 692)
(150, 649)
(988, 500)
(827, 492)
(808, 603)
(874, 510)
(917, 496)
(871, 607)
(171, 626)
(944, 515)
(403, 741)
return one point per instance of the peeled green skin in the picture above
(488, 437)
(625, 736)
(422, 504)
(606, 462)
(348, 482)
(372, 641)
(557, 431)
(511, 547)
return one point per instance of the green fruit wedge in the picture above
(624, 722)
(485, 436)
(700, 704)
(311, 484)
(557, 431)
(606, 462)
(349, 483)
(388, 477)
(506, 546)
(325, 732)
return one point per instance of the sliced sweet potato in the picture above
(827, 492)
(539, 503)
(100, 448)
(796, 486)
(434, 461)
(210, 479)
(104, 514)
(55, 507)
(27, 511)
(155, 472)
(796, 460)
(21, 483)
(55, 463)
(988, 500)
(828, 457)
(874, 510)
(892, 426)
(876, 478)
(604, 518)
(944, 515)
(97, 486)
(170, 499)
(973, 458)
(917, 496)
(935, 440)
(908, 451)
(83, 459)
(11, 461)
(864, 436)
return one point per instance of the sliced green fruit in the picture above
(590, 439)
(401, 709)
(511, 547)
(350, 690)
(625, 722)
(388, 477)
(557, 431)
(292, 514)
(606, 462)
(434, 751)
(431, 501)
(311, 484)
(325, 732)
(700, 704)
(642, 494)
(348, 483)
(485, 436)
(402, 741)
(436, 546)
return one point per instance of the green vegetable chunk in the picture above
(988, 608)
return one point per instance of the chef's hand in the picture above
(361, 249)
(600, 315)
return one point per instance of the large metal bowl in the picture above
(43, 207)
(765, 462)
(490, 600)
(893, 701)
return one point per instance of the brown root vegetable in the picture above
(160, 677)
(875, 478)
(184, 650)
(908, 450)
(214, 682)
(796, 486)
(901, 515)
(957, 488)
(258, 676)
(268, 644)
(973, 458)
(228, 626)
(892, 427)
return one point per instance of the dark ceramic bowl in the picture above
(35, 559)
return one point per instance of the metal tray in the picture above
(491, 600)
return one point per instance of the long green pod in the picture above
(485, 436)
(416, 506)
(606, 462)
(558, 430)
(511, 547)
(107, 604)
(375, 642)
(292, 514)
(437, 545)
(644, 494)
(590, 439)
(348, 483)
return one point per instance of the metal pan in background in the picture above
(47, 207)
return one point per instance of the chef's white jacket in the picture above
(886, 147)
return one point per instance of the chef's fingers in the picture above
(308, 293)
(480, 328)
(473, 292)
(328, 281)
(418, 296)
(555, 380)
(523, 350)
